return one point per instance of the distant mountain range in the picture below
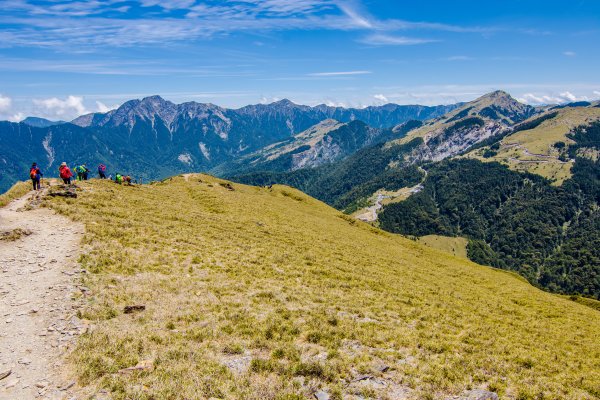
(153, 138)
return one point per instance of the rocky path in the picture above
(38, 285)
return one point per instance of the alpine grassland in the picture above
(455, 245)
(267, 293)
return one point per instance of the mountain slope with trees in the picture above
(516, 221)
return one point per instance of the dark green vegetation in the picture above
(520, 222)
(585, 137)
(346, 183)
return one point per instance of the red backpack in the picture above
(33, 173)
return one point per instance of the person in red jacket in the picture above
(65, 173)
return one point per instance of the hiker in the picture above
(118, 178)
(79, 172)
(65, 173)
(102, 171)
(85, 172)
(127, 179)
(82, 172)
(36, 175)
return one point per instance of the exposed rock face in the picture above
(447, 143)
(451, 134)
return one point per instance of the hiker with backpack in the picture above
(118, 178)
(86, 171)
(102, 171)
(36, 175)
(82, 172)
(65, 173)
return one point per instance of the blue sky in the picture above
(60, 59)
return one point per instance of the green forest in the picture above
(515, 221)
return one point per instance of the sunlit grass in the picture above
(453, 245)
(269, 294)
(19, 189)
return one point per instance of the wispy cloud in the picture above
(569, 53)
(350, 9)
(77, 25)
(379, 39)
(458, 58)
(340, 73)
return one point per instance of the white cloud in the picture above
(18, 117)
(563, 97)
(596, 93)
(379, 39)
(381, 98)
(331, 103)
(268, 100)
(103, 108)
(570, 53)
(340, 73)
(5, 103)
(72, 106)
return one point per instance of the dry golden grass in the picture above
(16, 191)
(456, 246)
(269, 294)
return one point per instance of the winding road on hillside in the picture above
(527, 153)
(370, 214)
(38, 274)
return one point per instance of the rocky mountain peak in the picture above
(284, 103)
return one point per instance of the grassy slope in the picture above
(540, 140)
(311, 296)
(17, 190)
(454, 245)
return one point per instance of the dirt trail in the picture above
(37, 312)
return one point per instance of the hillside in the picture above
(539, 145)
(256, 293)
